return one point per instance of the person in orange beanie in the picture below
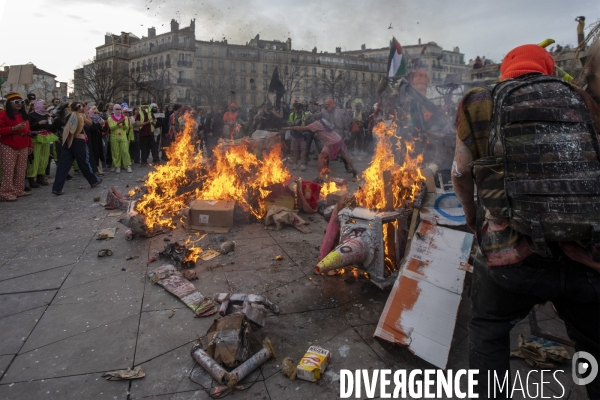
(525, 59)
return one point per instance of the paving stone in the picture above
(167, 373)
(17, 328)
(90, 386)
(31, 263)
(4, 362)
(159, 334)
(258, 391)
(99, 350)
(45, 280)
(299, 296)
(61, 321)
(19, 302)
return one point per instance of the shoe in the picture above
(129, 169)
(24, 194)
(97, 183)
(302, 167)
(144, 164)
(33, 184)
(118, 170)
(58, 192)
(70, 178)
(27, 189)
(112, 169)
(13, 198)
(42, 180)
(77, 171)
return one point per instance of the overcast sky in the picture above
(58, 35)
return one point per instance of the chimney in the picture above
(288, 44)
(338, 51)
(174, 25)
(108, 38)
(152, 32)
(363, 47)
(124, 38)
(419, 40)
(193, 26)
(314, 50)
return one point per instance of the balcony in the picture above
(184, 81)
(440, 67)
(164, 47)
(184, 100)
(184, 63)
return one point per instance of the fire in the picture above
(193, 252)
(328, 187)
(405, 178)
(235, 174)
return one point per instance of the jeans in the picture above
(309, 137)
(502, 296)
(134, 148)
(148, 144)
(79, 152)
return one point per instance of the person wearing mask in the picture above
(74, 148)
(121, 133)
(15, 147)
(106, 139)
(40, 125)
(134, 147)
(145, 122)
(95, 132)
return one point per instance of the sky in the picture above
(58, 36)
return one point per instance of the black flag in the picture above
(276, 86)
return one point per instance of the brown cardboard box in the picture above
(336, 197)
(280, 195)
(211, 215)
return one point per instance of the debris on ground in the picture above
(131, 258)
(227, 247)
(106, 233)
(124, 374)
(227, 340)
(116, 200)
(137, 224)
(278, 257)
(289, 368)
(189, 274)
(313, 364)
(540, 353)
(251, 305)
(96, 199)
(105, 252)
(179, 254)
(281, 217)
(151, 259)
(115, 214)
(209, 254)
(173, 281)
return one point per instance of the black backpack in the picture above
(542, 172)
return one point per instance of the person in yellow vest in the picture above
(121, 133)
(146, 123)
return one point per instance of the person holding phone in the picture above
(15, 147)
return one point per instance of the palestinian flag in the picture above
(396, 61)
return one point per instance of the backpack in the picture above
(542, 172)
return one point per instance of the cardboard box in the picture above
(313, 364)
(211, 215)
(337, 197)
(280, 196)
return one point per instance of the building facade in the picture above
(28, 78)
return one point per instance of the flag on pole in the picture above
(396, 61)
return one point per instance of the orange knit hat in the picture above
(525, 59)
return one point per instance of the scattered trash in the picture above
(115, 214)
(247, 304)
(177, 253)
(116, 200)
(189, 274)
(131, 258)
(121, 374)
(173, 281)
(96, 199)
(227, 340)
(81, 187)
(279, 257)
(151, 259)
(227, 247)
(102, 204)
(313, 364)
(59, 227)
(172, 313)
(542, 353)
(106, 234)
(209, 254)
(123, 269)
(137, 224)
(289, 368)
(281, 216)
(105, 252)
(129, 234)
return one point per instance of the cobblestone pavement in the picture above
(68, 315)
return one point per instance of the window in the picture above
(314, 72)
(305, 71)
(265, 69)
(356, 76)
(252, 84)
(181, 75)
(265, 84)
(243, 67)
(232, 82)
(210, 64)
(243, 83)
(232, 66)
(221, 65)
(252, 67)
(253, 99)
(372, 77)
(181, 57)
(244, 99)
(363, 76)
(199, 64)
(324, 73)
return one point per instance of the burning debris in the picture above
(235, 173)
(183, 255)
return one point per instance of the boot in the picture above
(33, 184)
(41, 179)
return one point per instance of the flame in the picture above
(406, 178)
(234, 174)
(328, 187)
(193, 252)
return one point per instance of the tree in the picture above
(313, 89)
(337, 84)
(291, 75)
(100, 82)
(214, 88)
(151, 84)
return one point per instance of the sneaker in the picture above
(95, 184)
(129, 169)
(302, 167)
(70, 178)
(58, 192)
(112, 169)
(118, 170)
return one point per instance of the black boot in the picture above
(41, 179)
(33, 184)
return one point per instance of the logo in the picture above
(585, 368)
